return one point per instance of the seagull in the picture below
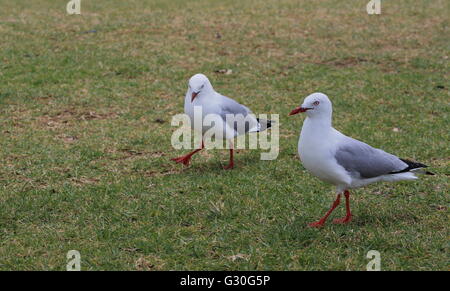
(201, 94)
(341, 160)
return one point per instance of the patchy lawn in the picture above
(85, 109)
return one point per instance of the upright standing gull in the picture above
(341, 160)
(201, 94)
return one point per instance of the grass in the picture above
(85, 107)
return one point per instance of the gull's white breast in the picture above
(211, 108)
(316, 150)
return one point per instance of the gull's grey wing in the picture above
(360, 159)
(229, 106)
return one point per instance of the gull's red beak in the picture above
(298, 110)
(193, 96)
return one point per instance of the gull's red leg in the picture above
(231, 165)
(348, 216)
(321, 222)
(187, 158)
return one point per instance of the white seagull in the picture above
(341, 160)
(201, 94)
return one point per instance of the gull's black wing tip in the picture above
(412, 166)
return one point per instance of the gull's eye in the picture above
(202, 86)
(316, 103)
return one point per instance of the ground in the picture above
(85, 110)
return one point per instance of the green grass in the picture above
(85, 164)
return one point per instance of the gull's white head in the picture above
(198, 84)
(315, 105)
